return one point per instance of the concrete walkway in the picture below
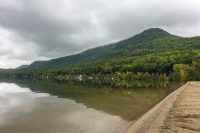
(177, 113)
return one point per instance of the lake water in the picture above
(53, 107)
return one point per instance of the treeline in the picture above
(152, 63)
(179, 66)
(186, 72)
(118, 76)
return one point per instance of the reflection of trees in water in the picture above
(141, 84)
(133, 84)
(126, 100)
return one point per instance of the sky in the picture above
(44, 29)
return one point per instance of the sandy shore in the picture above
(177, 113)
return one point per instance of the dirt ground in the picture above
(177, 113)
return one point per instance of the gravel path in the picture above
(177, 113)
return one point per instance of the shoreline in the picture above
(155, 117)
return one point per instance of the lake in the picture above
(76, 107)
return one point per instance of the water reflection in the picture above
(75, 107)
(23, 111)
(125, 99)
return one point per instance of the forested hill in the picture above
(135, 45)
(153, 54)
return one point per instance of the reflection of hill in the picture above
(127, 103)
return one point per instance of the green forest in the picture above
(153, 55)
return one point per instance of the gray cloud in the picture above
(35, 29)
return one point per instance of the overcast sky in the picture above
(43, 29)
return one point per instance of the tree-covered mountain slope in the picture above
(153, 54)
(142, 43)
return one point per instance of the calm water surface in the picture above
(52, 107)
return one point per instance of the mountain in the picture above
(22, 66)
(153, 54)
(119, 49)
